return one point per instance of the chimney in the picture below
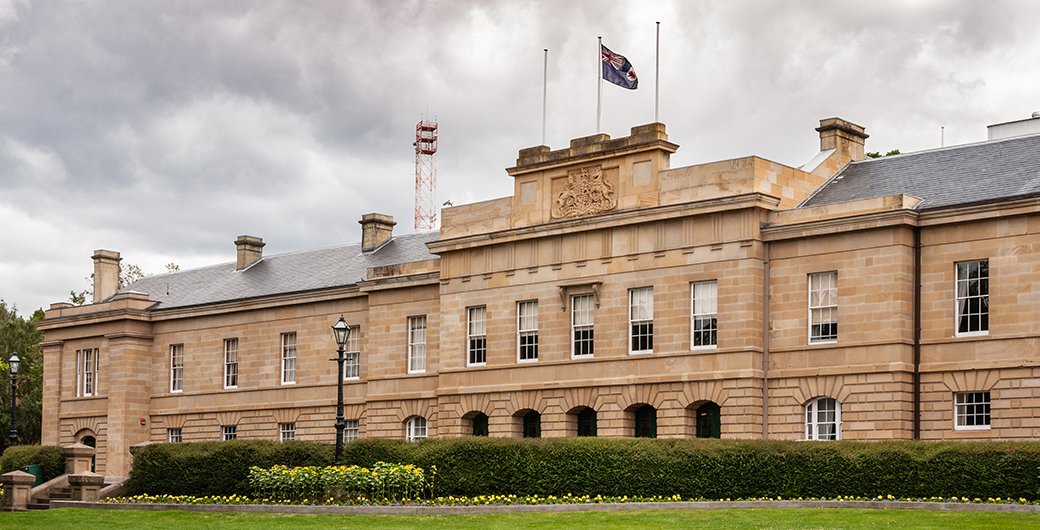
(250, 250)
(106, 274)
(375, 229)
(845, 136)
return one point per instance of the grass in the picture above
(702, 519)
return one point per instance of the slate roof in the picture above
(963, 174)
(283, 273)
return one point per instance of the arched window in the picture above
(587, 422)
(415, 428)
(532, 425)
(646, 422)
(480, 425)
(823, 419)
(708, 424)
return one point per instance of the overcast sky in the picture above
(164, 130)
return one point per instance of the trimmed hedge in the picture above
(47, 456)
(714, 469)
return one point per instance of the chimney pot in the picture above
(250, 250)
(376, 228)
(106, 274)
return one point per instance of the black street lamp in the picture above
(341, 331)
(14, 362)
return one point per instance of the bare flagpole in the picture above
(657, 76)
(599, 81)
(545, 75)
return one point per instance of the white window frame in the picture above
(823, 305)
(704, 310)
(476, 336)
(417, 344)
(416, 428)
(527, 328)
(88, 369)
(229, 432)
(351, 430)
(176, 368)
(174, 435)
(286, 431)
(352, 366)
(962, 405)
(288, 358)
(962, 295)
(583, 318)
(641, 318)
(813, 415)
(230, 363)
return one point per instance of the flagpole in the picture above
(545, 75)
(599, 82)
(657, 76)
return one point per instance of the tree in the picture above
(18, 335)
(875, 154)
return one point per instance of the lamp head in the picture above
(341, 331)
(14, 362)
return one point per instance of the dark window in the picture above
(646, 422)
(480, 425)
(587, 422)
(708, 416)
(532, 425)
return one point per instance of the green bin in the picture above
(34, 470)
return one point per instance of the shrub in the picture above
(47, 456)
(625, 466)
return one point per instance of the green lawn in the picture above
(729, 519)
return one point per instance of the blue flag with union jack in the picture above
(617, 69)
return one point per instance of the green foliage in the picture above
(18, 335)
(47, 456)
(216, 468)
(714, 469)
(382, 481)
(875, 154)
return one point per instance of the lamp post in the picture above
(341, 331)
(14, 362)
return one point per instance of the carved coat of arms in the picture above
(587, 193)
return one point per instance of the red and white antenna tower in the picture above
(425, 175)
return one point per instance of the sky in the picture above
(164, 130)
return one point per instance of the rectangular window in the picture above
(288, 358)
(972, 410)
(351, 431)
(476, 335)
(704, 315)
(973, 297)
(581, 325)
(230, 432)
(174, 435)
(176, 368)
(417, 345)
(286, 432)
(230, 363)
(641, 320)
(352, 367)
(87, 372)
(527, 331)
(823, 307)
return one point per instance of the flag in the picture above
(617, 69)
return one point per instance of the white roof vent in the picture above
(1015, 128)
(1036, 114)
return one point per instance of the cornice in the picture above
(852, 223)
(653, 145)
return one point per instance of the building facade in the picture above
(610, 295)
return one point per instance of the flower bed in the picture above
(314, 483)
(515, 500)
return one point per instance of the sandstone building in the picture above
(610, 295)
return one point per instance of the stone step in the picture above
(38, 506)
(64, 495)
